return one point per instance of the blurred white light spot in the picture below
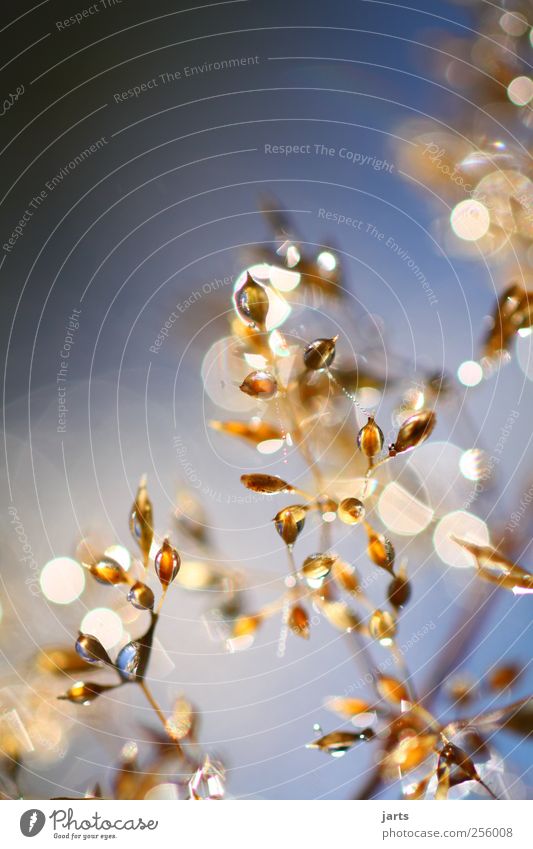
(284, 279)
(327, 261)
(363, 720)
(470, 373)
(369, 397)
(293, 256)
(470, 220)
(290, 252)
(473, 464)
(270, 446)
(166, 792)
(257, 361)
(278, 344)
(520, 91)
(330, 516)
(239, 643)
(513, 23)
(120, 554)
(104, 624)
(465, 526)
(62, 580)
(402, 512)
(524, 355)
(260, 272)
(314, 583)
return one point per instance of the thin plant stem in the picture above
(160, 715)
(161, 600)
(292, 563)
(402, 666)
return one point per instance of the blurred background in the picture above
(136, 156)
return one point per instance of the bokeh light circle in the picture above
(104, 624)
(462, 525)
(62, 580)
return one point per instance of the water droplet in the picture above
(167, 563)
(91, 649)
(128, 661)
(414, 431)
(320, 354)
(141, 520)
(289, 523)
(107, 571)
(141, 596)
(316, 567)
(351, 511)
(251, 303)
(260, 384)
(370, 439)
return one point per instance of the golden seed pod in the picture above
(346, 577)
(391, 689)
(254, 431)
(495, 568)
(142, 520)
(327, 506)
(265, 483)
(60, 661)
(399, 591)
(298, 621)
(141, 596)
(348, 707)
(457, 764)
(411, 750)
(414, 431)
(339, 615)
(251, 303)
(503, 676)
(316, 567)
(370, 439)
(320, 354)
(260, 384)
(337, 743)
(245, 626)
(462, 690)
(84, 693)
(351, 511)
(380, 550)
(107, 571)
(289, 523)
(513, 312)
(485, 555)
(181, 723)
(167, 563)
(91, 649)
(382, 627)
